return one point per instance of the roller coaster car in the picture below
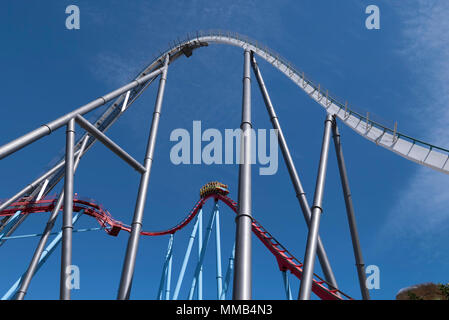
(26, 199)
(114, 230)
(213, 188)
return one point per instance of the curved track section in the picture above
(410, 148)
(285, 259)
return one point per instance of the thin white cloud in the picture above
(423, 205)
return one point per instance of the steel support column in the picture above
(32, 268)
(186, 257)
(312, 238)
(294, 177)
(67, 227)
(200, 248)
(242, 274)
(218, 253)
(164, 275)
(136, 226)
(228, 276)
(288, 292)
(168, 279)
(350, 212)
(199, 265)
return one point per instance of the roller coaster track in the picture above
(285, 259)
(408, 147)
(121, 99)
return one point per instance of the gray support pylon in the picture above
(312, 238)
(48, 128)
(242, 275)
(33, 266)
(294, 177)
(350, 212)
(67, 227)
(136, 226)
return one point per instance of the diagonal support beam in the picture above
(228, 276)
(312, 238)
(360, 264)
(136, 225)
(288, 292)
(166, 272)
(294, 177)
(100, 136)
(199, 265)
(186, 257)
(48, 128)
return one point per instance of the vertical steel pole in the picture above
(229, 272)
(32, 268)
(186, 258)
(288, 292)
(200, 248)
(203, 254)
(164, 275)
(294, 177)
(67, 227)
(350, 212)
(242, 274)
(168, 278)
(218, 253)
(136, 226)
(312, 239)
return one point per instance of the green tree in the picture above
(413, 296)
(444, 290)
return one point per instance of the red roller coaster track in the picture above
(285, 259)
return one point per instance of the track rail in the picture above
(285, 259)
(406, 146)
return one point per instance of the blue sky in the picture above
(398, 73)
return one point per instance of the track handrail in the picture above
(404, 145)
